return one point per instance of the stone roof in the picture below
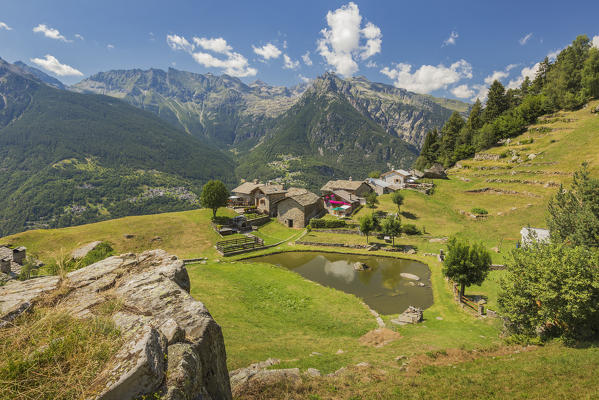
(331, 186)
(293, 191)
(272, 189)
(247, 187)
(401, 172)
(5, 252)
(378, 182)
(345, 195)
(305, 199)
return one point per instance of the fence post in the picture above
(481, 307)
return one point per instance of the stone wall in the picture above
(172, 345)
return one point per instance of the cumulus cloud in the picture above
(345, 41)
(482, 91)
(217, 45)
(451, 39)
(595, 41)
(552, 55)
(232, 63)
(306, 59)
(289, 63)
(371, 64)
(496, 76)
(4, 26)
(525, 39)
(50, 32)
(462, 91)
(267, 51)
(110, 46)
(428, 78)
(80, 37)
(527, 72)
(50, 63)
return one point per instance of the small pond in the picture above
(381, 286)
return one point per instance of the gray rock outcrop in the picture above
(412, 315)
(84, 250)
(172, 345)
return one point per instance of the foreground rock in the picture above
(257, 375)
(412, 315)
(412, 277)
(172, 345)
(360, 266)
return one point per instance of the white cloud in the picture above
(496, 76)
(50, 63)
(306, 58)
(482, 91)
(304, 79)
(530, 72)
(267, 51)
(345, 41)
(553, 54)
(50, 32)
(462, 91)
(428, 78)
(110, 46)
(233, 64)
(371, 64)
(289, 63)
(4, 26)
(176, 42)
(595, 41)
(80, 37)
(451, 39)
(525, 39)
(217, 45)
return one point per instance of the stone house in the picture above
(245, 194)
(398, 177)
(357, 188)
(297, 211)
(341, 203)
(11, 260)
(267, 197)
(382, 187)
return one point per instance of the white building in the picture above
(398, 177)
(534, 234)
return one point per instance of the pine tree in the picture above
(496, 102)
(429, 153)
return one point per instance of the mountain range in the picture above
(134, 142)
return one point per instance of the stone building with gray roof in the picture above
(296, 211)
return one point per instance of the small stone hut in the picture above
(297, 211)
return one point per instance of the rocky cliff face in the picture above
(172, 344)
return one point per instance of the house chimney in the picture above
(256, 181)
(350, 179)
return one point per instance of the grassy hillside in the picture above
(518, 190)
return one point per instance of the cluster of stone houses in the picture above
(294, 207)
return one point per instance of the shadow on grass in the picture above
(408, 215)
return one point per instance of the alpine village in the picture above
(178, 235)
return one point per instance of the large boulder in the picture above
(412, 315)
(436, 171)
(172, 344)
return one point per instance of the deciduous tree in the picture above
(466, 264)
(214, 195)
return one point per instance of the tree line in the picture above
(567, 83)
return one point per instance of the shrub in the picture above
(317, 223)
(479, 211)
(410, 229)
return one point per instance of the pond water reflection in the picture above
(381, 286)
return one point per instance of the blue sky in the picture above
(450, 49)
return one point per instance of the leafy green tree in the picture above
(372, 199)
(391, 226)
(374, 174)
(496, 102)
(397, 199)
(449, 137)
(590, 74)
(214, 195)
(430, 150)
(367, 225)
(466, 264)
(551, 290)
(573, 215)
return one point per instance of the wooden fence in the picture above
(234, 245)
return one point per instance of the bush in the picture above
(479, 211)
(410, 229)
(317, 223)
